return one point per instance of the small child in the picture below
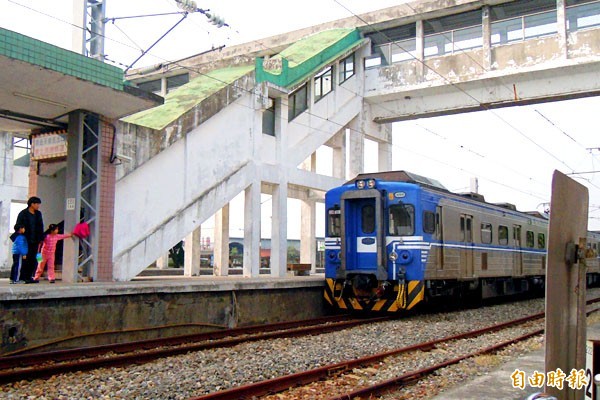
(19, 252)
(51, 236)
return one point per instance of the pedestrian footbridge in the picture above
(251, 118)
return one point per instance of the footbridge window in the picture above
(347, 69)
(323, 83)
(522, 20)
(298, 102)
(453, 33)
(392, 45)
(268, 119)
(582, 14)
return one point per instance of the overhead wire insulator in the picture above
(187, 5)
(215, 19)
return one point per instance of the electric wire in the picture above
(457, 87)
(251, 91)
(314, 115)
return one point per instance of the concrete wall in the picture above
(175, 179)
(13, 187)
(72, 314)
(51, 189)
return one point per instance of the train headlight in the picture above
(393, 256)
(360, 184)
(371, 183)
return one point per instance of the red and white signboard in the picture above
(49, 146)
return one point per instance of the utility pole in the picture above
(89, 15)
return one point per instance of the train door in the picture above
(361, 234)
(439, 237)
(518, 255)
(466, 233)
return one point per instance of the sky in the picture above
(512, 152)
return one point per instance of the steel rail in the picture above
(284, 382)
(23, 360)
(416, 375)
(410, 377)
(40, 371)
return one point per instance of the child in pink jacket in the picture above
(51, 237)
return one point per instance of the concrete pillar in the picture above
(308, 246)
(279, 230)
(384, 152)
(6, 164)
(163, 262)
(356, 153)
(191, 263)
(339, 156)
(73, 178)
(561, 25)
(221, 245)
(252, 217)
(487, 38)
(279, 196)
(420, 50)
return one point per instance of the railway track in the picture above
(327, 381)
(42, 364)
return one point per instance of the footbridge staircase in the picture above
(227, 130)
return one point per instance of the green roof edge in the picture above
(24, 48)
(291, 75)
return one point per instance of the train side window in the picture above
(402, 220)
(334, 222)
(368, 219)
(541, 241)
(428, 222)
(486, 233)
(530, 239)
(469, 230)
(462, 229)
(502, 235)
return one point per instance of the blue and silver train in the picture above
(394, 239)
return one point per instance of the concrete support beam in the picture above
(279, 195)
(420, 49)
(279, 231)
(528, 87)
(487, 37)
(561, 26)
(339, 156)
(191, 263)
(221, 245)
(384, 151)
(73, 179)
(356, 151)
(252, 216)
(308, 247)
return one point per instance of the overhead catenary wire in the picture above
(448, 81)
(252, 89)
(291, 121)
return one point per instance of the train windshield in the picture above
(334, 222)
(402, 220)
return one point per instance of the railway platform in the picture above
(498, 385)
(149, 306)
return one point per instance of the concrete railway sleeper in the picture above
(38, 365)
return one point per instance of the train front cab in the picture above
(366, 269)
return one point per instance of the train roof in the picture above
(409, 177)
(402, 176)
